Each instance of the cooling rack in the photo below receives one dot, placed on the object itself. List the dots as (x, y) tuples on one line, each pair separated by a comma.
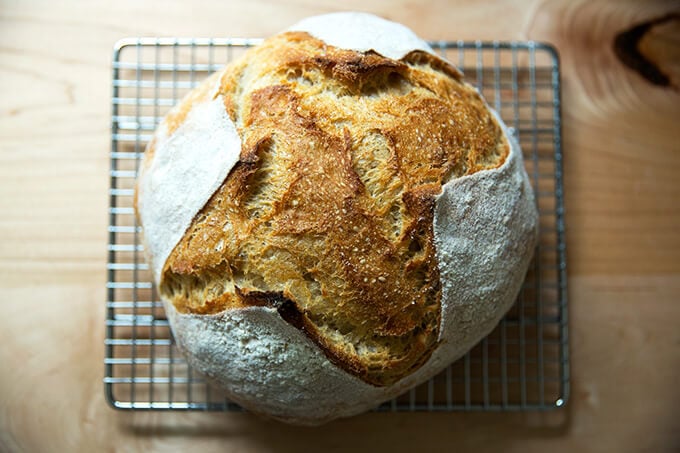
[(522, 365)]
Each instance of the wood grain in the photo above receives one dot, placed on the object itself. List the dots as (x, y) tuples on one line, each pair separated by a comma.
[(622, 159)]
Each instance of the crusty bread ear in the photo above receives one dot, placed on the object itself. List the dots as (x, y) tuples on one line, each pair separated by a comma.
[(376, 223)]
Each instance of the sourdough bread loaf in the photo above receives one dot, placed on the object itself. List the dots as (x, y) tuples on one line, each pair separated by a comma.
[(333, 218)]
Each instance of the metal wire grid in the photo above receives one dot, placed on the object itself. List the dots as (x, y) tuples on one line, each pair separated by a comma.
[(522, 365)]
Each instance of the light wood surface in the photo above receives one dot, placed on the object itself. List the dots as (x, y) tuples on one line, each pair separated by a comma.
[(622, 161)]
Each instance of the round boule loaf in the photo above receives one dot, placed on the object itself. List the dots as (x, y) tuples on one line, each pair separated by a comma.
[(333, 218)]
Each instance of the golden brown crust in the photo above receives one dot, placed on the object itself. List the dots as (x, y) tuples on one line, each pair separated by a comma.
[(328, 214)]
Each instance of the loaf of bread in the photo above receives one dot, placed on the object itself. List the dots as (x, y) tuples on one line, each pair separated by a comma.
[(333, 218)]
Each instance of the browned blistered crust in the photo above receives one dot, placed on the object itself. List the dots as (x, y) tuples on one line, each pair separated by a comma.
[(327, 217)]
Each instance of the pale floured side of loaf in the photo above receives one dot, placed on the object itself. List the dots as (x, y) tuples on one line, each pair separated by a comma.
[(269, 366), (363, 32), (486, 228), (183, 167)]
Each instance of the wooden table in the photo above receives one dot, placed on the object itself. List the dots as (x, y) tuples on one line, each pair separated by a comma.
[(622, 184)]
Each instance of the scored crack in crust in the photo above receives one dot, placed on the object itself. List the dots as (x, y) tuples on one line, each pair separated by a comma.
[(328, 214)]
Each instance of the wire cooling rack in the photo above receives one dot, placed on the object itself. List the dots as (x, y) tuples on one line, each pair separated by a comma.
[(522, 365)]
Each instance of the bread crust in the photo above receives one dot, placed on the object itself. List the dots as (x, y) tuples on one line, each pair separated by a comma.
[(336, 219), (377, 223)]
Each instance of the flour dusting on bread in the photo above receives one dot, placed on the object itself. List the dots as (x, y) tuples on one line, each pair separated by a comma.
[(187, 168), (363, 32)]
